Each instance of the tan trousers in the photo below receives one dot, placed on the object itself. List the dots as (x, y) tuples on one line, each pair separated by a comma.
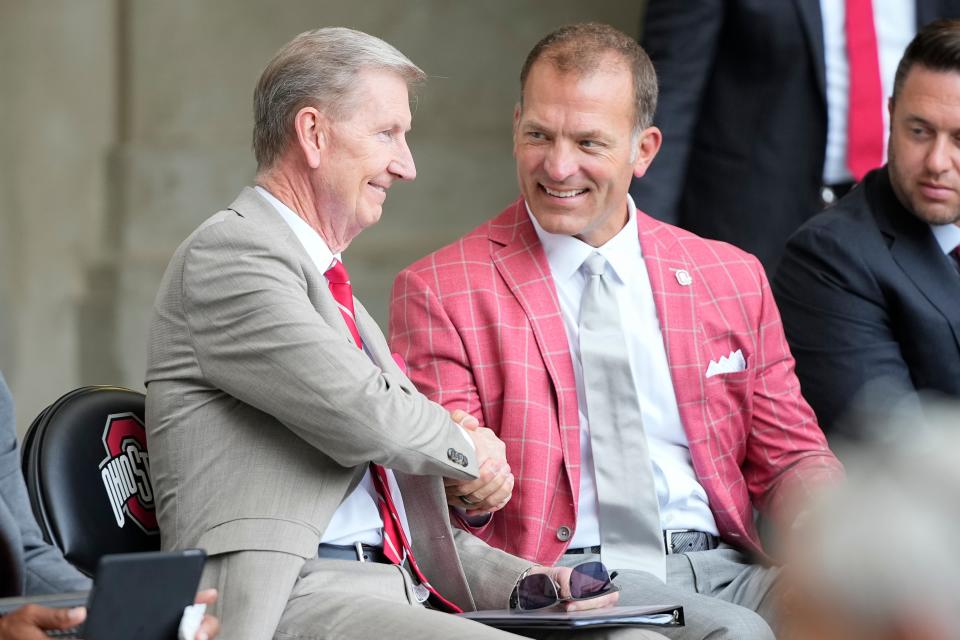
[(268, 595)]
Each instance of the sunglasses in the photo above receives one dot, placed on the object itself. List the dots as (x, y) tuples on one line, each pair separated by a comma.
[(588, 580)]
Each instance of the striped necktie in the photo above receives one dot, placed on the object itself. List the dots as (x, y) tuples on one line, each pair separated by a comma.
[(396, 547)]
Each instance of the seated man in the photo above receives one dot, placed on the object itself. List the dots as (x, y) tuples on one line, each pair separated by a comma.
[(284, 438), (660, 439), (870, 289), (31, 566)]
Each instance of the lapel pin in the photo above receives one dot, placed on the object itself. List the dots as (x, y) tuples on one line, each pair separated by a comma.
[(683, 277)]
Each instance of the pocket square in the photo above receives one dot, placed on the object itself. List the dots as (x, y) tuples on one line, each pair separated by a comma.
[(727, 364)]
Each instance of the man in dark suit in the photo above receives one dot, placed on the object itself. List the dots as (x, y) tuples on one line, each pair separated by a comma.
[(870, 289), (746, 87)]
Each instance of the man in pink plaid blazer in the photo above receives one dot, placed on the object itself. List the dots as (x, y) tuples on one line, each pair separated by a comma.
[(486, 325)]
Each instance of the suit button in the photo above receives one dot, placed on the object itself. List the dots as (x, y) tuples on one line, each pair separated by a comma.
[(563, 533)]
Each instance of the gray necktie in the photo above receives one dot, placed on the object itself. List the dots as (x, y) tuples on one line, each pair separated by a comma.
[(630, 533)]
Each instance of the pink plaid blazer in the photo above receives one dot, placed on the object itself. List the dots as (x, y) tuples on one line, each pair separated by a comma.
[(480, 327)]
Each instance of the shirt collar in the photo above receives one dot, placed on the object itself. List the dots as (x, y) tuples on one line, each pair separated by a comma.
[(566, 254), (947, 235), (314, 245)]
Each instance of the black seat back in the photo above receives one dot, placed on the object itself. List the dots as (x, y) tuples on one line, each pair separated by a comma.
[(87, 473)]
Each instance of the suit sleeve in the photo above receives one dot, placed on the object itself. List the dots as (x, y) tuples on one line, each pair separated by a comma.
[(681, 39), (491, 573), (44, 567), (838, 324), (787, 457), (259, 338)]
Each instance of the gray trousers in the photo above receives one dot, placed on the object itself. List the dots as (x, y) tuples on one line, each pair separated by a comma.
[(341, 599), (722, 593)]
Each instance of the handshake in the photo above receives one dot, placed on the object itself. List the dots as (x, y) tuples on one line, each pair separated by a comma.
[(491, 491)]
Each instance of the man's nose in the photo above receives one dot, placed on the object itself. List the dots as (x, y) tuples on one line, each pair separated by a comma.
[(403, 166), (941, 155), (560, 162)]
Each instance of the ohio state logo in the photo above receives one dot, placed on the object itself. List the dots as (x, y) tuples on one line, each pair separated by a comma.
[(125, 472)]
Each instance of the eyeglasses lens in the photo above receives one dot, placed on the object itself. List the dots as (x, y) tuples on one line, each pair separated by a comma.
[(588, 579), (536, 592)]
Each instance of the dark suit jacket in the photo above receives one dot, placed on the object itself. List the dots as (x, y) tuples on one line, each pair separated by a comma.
[(744, 118), (867, 296), (28, 564)]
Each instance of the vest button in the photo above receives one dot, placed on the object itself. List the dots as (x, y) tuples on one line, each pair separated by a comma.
[(563, 533)]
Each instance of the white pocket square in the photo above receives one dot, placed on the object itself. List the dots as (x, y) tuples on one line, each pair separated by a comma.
[(727, 364)]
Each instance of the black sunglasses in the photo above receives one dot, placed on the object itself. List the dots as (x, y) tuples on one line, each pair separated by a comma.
[(588, 580)]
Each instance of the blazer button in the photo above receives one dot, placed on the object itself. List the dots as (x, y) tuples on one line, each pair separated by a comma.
[(563, 533)]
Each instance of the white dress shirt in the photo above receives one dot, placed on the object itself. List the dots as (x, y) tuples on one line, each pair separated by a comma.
[(357, 519), (683, 500), (895, 23), (947, 236)]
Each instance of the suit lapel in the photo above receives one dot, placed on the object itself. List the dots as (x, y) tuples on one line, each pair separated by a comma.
[(519, 258), (432, 537), (812, 24), (373, 340), (249, 204), (916, 251), (676, 306)]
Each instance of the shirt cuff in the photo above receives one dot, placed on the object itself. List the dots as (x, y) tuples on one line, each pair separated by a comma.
[(463, 432), (473, 521)]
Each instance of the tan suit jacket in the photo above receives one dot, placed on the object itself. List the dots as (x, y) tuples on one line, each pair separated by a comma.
[(262, 414)]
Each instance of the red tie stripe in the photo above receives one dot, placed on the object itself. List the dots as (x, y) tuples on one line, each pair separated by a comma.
[(396, 547)]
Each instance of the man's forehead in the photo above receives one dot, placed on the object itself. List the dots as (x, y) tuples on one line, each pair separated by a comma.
[(941, 83), (546, 80), (586, 99)]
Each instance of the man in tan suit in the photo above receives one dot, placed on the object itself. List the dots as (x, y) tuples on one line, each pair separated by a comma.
[(263, 416)]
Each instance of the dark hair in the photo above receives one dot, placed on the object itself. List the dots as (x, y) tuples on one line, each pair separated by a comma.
[(935, 47), (582, 49)]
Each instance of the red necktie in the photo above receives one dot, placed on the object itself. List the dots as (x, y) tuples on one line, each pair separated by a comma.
[(395, 543), (956, 256), (865, 107)]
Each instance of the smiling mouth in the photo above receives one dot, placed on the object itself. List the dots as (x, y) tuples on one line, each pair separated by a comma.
[(378, 187), (571, 193)]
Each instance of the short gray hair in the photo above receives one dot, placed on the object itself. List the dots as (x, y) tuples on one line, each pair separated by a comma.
[(318, 68)]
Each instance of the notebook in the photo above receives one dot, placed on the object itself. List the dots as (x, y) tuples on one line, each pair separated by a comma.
[(552, 618)]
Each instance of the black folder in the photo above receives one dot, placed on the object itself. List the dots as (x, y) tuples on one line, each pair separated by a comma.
[(655, 616)]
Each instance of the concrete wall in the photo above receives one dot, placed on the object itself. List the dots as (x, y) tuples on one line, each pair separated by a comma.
[(124, 124)]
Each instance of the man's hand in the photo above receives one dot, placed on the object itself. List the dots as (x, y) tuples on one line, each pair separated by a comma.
[(32, 621), (210, 626), (561, 576), (492, 489)]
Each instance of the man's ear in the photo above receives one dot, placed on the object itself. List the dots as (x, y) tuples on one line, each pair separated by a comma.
[(312, 129), (648, 144)]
